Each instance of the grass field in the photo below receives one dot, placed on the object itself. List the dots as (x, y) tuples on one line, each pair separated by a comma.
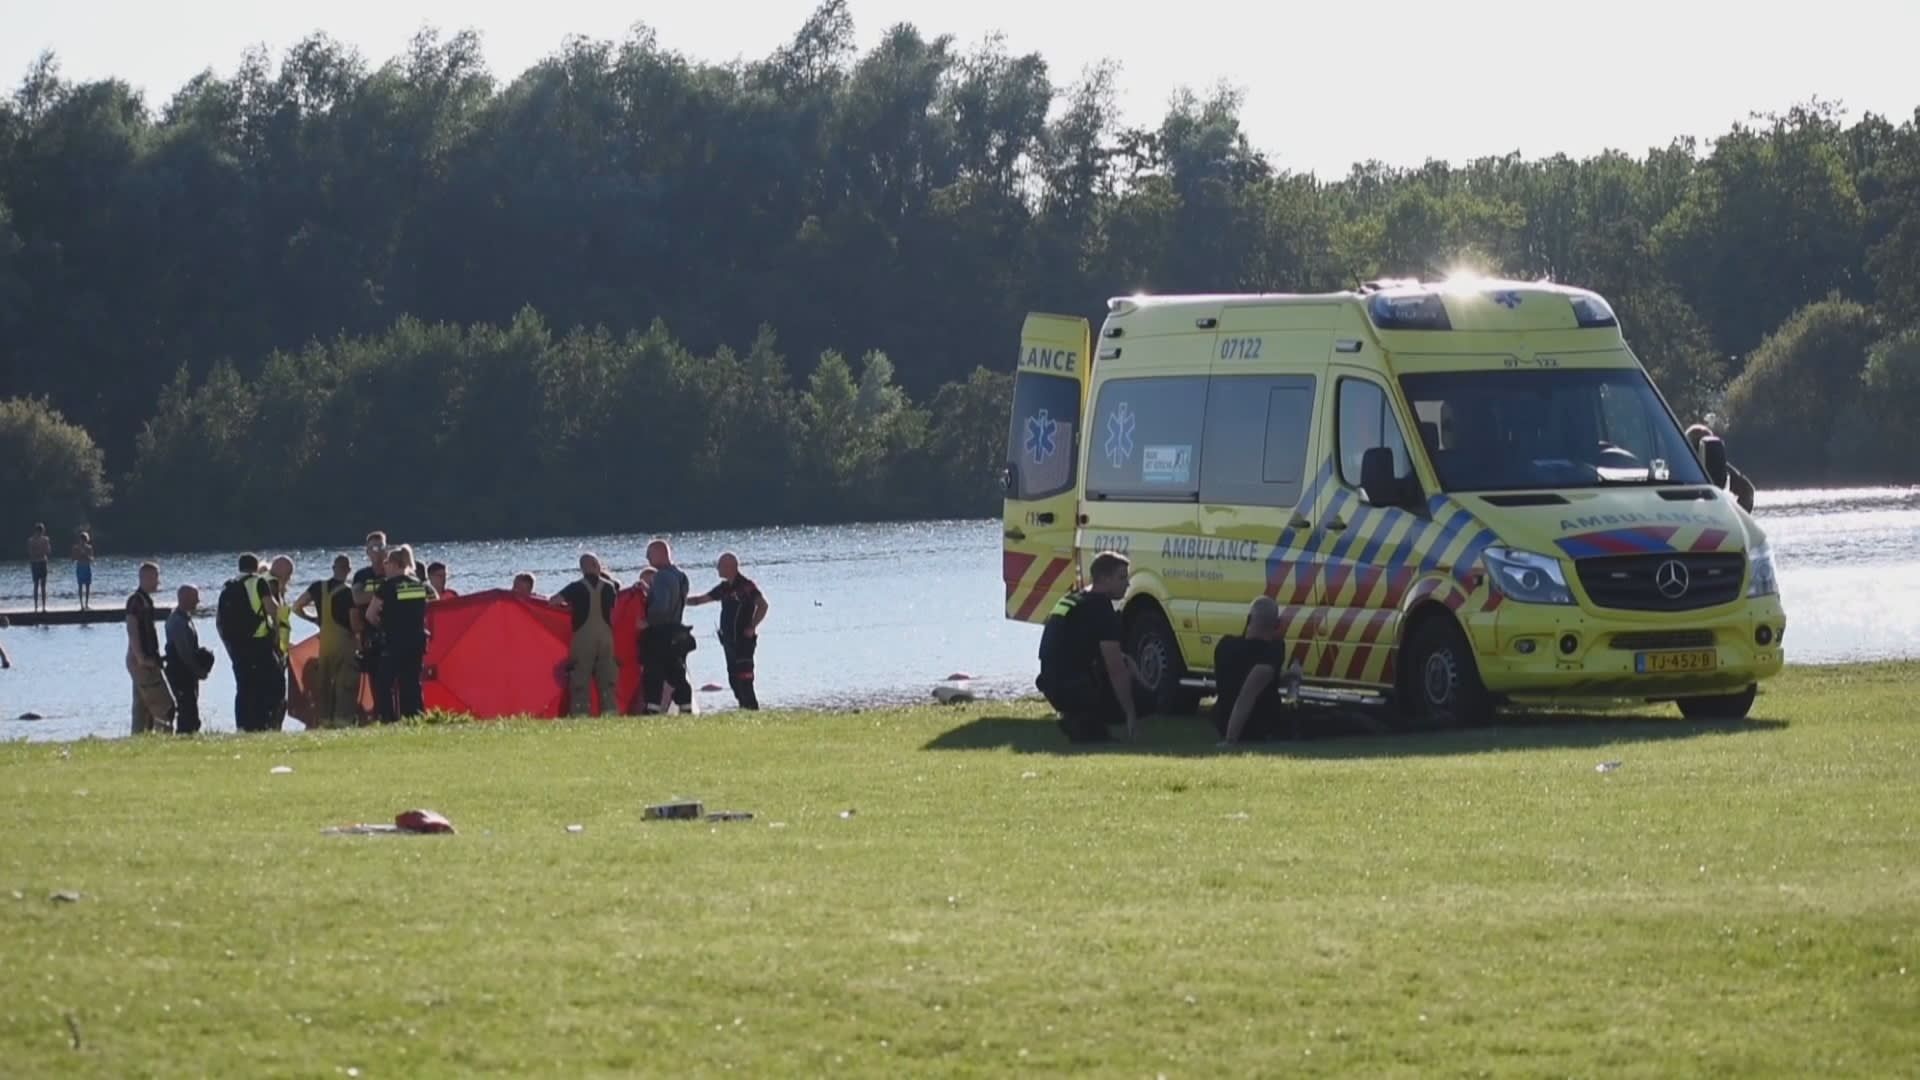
[(1738, 900)]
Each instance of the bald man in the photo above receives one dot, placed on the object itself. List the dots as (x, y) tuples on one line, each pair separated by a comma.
[(742, 608), (591, 662), (184, 662), (1249, 671)]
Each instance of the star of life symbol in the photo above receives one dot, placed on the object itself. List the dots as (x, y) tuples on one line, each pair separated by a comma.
[(1120, 435), (1507, 299), (1040, 437)]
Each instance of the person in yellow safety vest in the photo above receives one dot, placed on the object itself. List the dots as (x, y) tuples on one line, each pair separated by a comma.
[(329, 605), (280, 573), (245, 618)]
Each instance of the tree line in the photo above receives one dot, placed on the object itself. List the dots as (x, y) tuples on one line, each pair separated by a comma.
[(324, 290)]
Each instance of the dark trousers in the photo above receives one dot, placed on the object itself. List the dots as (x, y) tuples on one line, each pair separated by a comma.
[(1087, 706), (739, 653), (396, 684), (663, 664), (1270, 719), (185, 685), (259, 685)]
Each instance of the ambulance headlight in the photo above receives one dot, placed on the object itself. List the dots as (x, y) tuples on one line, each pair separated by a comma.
[(1762, 581), (1527, 577)]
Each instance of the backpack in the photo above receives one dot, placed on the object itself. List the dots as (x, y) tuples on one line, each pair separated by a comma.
[(234, 618)]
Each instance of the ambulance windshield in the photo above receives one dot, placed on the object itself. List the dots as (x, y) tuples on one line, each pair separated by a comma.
[(1534, 429)]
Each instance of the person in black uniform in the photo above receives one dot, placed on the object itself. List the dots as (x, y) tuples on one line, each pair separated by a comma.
[(245, 620), (1083, 673), (742, 607), (1250, 671), (366, 582), (399, 611)]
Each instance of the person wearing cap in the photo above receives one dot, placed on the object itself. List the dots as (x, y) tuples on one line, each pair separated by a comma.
[(1741, 488)]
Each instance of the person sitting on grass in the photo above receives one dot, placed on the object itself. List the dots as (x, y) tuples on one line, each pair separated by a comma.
[(1249, 670), (1083, 673)]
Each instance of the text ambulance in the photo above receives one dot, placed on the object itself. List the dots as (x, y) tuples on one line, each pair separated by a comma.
[(1460, 494)]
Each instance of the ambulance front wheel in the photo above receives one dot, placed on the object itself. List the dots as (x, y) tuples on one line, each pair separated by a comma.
[(1156, 652), (1440, 683), (1719, 706)]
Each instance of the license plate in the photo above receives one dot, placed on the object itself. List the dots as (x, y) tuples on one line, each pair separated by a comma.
[(1672, 663)]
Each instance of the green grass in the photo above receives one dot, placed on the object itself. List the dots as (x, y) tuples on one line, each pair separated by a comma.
[(1735, 900)]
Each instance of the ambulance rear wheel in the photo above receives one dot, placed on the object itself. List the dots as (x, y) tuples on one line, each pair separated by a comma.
[(1440, 683), (1719, 706), (1156, 652)]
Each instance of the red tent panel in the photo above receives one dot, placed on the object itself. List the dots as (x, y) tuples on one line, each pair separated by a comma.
[(492, 654)]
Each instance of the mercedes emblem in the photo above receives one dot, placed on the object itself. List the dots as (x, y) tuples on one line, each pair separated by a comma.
[(1672, 579)]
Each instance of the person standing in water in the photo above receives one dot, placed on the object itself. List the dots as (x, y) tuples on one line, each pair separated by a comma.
[(83, 567), (39, 550), (591, 661)]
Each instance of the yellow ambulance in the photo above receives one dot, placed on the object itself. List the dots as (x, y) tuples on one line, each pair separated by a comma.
[(1461, 494)]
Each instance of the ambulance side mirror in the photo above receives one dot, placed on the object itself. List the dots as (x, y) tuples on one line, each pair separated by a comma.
[(1010, 479), (1713, 454), (1377, 478)]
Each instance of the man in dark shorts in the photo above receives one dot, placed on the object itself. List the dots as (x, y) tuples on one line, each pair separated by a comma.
[(1250, 671), (399, 611), (1083, 673), (39, 550), (152, 700), (742, 607)]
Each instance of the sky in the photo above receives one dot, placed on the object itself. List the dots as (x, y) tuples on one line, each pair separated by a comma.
[(1326, 84)]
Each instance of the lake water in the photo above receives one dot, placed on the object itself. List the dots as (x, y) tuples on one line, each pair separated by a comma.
[(874, 614)]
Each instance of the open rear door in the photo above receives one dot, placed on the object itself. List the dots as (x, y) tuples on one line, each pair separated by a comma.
[(1043, 464)]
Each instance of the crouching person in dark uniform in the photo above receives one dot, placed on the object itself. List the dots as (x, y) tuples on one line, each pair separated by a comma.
[(1083, 673), (1250, 672), (399, 611)]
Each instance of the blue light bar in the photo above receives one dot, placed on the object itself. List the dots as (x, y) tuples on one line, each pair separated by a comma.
[(1591, 312), (1408, 311)]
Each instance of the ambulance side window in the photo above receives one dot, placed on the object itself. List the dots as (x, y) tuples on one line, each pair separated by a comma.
[(1143, 439), (1366, 420), (1256, 442)]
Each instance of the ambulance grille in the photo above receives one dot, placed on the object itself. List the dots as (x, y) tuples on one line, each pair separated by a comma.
[(1634, 582), (1635, 640)]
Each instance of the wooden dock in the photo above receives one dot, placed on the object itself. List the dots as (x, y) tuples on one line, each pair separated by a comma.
[(73, 616)]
